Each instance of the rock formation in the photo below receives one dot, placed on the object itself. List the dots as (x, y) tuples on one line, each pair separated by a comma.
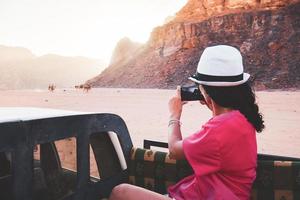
[(267, 32), (197, 10), (124, 51)]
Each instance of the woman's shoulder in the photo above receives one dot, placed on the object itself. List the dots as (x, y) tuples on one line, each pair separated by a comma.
[(233, 118), (229, 128)]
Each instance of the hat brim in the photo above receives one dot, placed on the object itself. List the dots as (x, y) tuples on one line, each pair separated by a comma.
[(246, 76)]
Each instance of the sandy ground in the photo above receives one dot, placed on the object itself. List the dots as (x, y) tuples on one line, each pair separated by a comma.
[(146, 114)]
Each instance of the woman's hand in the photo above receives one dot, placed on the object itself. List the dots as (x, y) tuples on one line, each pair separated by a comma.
[(175, 105)]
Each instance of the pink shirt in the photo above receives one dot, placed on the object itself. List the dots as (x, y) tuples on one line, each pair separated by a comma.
[(223, 156)]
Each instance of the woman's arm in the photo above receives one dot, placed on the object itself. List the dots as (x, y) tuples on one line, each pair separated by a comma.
[(174, 135), (175, 142)]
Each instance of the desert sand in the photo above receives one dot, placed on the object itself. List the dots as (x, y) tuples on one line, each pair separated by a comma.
[(145, 112)]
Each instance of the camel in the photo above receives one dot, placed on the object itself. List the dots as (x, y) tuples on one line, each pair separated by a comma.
[(51, 87), (87, 87)]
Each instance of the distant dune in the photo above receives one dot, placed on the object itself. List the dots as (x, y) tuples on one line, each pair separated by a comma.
[(21, 69)]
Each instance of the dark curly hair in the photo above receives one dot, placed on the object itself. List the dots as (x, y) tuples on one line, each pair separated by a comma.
[(240, 97)]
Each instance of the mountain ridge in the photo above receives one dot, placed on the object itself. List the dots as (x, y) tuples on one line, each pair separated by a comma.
[(21, 69)]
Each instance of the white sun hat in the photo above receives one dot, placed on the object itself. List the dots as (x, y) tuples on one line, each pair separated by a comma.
[(220, 65)]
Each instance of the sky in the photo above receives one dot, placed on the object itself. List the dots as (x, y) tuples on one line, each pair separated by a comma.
[(88, 28)]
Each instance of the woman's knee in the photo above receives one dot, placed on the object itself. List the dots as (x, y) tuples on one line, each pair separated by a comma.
[(120, 191)]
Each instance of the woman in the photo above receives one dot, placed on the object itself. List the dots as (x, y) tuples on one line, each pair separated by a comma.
[(223, 153)]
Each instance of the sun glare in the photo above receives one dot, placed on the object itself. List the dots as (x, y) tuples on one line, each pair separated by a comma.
[(81, 28)]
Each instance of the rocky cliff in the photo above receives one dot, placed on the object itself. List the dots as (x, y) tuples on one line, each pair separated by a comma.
[(197, 10), (266, 32)]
